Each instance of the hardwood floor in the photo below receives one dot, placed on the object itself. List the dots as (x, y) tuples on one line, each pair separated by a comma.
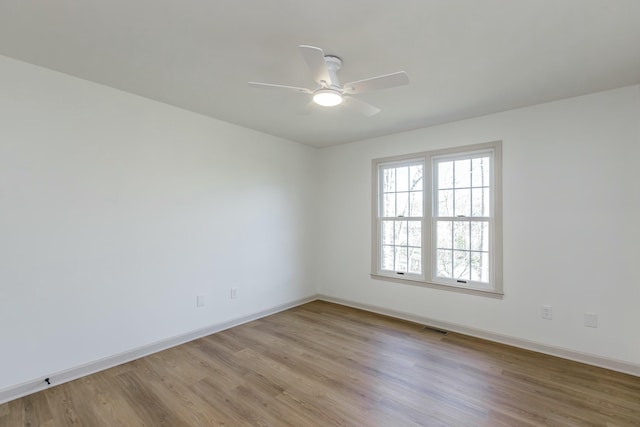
[(324, 364)]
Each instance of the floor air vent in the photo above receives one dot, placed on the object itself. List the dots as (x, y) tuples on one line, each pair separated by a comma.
[(436, 330)]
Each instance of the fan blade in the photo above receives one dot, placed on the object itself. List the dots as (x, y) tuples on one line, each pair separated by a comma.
[(360, 106), (314, 56), (272, 86), (376, 83)]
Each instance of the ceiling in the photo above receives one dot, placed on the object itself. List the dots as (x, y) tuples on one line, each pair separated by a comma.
[(464, 58)]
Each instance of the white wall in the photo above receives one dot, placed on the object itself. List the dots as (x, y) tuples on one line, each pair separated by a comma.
[(116, 211), (571, 224)]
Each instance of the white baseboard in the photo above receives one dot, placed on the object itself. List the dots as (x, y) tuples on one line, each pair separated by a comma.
[(565, 353), (56, 378), (15, 392)]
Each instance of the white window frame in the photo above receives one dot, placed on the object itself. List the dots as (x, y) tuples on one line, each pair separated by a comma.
[(380, 218), (428, 277)]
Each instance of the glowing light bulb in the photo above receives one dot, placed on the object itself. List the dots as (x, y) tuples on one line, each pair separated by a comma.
[(327, 98)]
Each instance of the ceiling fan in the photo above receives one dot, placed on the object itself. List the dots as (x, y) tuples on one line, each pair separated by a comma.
[(329, 92)]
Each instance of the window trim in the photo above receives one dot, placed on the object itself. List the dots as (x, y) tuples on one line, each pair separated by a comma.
[(427, 157)]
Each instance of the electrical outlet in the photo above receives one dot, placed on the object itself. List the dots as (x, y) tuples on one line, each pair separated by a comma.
[(591, 320), (200, 301), (234, 293), (547, 312)]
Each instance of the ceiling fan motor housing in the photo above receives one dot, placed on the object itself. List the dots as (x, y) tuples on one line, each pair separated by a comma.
[(333, 66)]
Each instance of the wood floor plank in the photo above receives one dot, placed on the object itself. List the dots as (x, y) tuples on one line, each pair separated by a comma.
[(37, 411), (12, 413), (323, 364), (145, 402), (61, 407)]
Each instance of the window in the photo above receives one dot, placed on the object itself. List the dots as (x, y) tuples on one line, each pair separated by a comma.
[(437, 218), (401, 220)]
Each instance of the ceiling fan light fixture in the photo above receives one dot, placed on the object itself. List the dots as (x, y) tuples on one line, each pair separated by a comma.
[(329, 92), (327, 98)]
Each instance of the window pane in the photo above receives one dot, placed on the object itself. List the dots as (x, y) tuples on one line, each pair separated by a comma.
[(415, 177), (401, 259), (480, 267), (387, 257), (486, 198), (415, 233), (480, 172), (415, 260), (445, 203), (445, 175), (387, 233), (462, 173), (444, 237), (480, 202), (402, 204), (401, 233), (461, 268), (444, 263), (402, 179), (389, 208), (463, 202), (415, 203), (480, 236), (461, 235), (485, 268), (389, 180)]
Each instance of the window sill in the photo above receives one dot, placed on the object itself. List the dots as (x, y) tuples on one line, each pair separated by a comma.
[(451, 288)]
